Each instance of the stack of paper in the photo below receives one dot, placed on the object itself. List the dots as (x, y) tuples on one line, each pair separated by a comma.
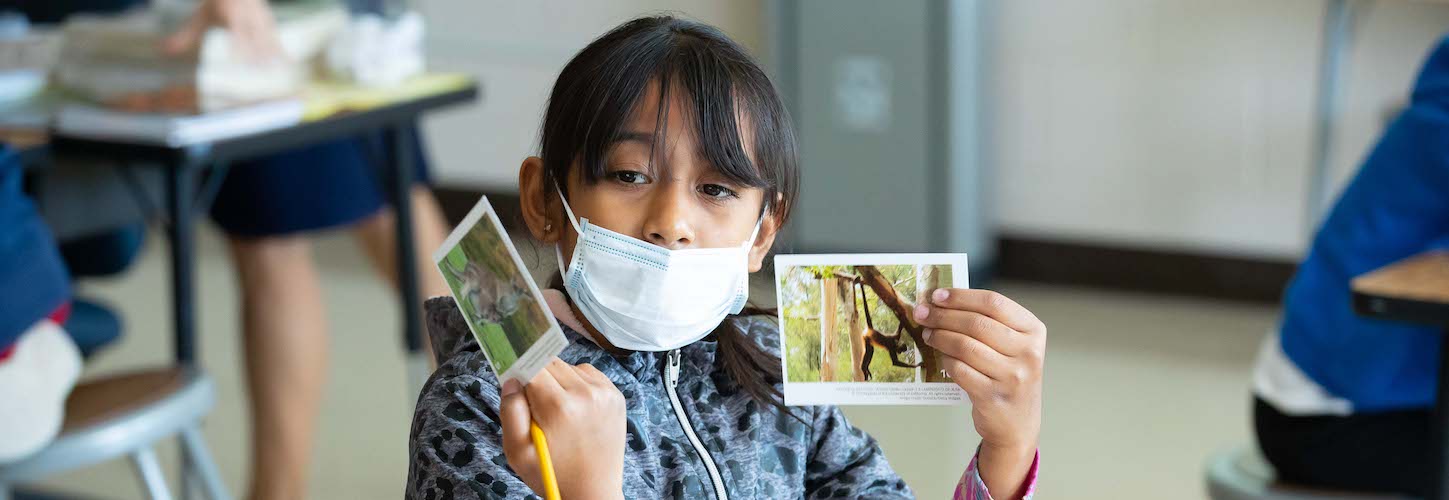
[(116, 62)]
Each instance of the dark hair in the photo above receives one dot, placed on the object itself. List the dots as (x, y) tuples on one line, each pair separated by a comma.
[(602, 85)]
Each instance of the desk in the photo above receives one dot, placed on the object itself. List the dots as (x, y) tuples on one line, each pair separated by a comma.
[(1416, 290), (186, 196)]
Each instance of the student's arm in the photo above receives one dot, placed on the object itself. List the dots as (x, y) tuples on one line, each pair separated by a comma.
[(456, 448), (971, 487), (249, 22)]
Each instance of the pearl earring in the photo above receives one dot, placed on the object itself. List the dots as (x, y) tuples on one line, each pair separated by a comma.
[(547, 227)]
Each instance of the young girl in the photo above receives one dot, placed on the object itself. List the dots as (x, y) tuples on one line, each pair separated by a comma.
[(663, 138)]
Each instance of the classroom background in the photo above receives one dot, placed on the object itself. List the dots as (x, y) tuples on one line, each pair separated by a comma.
[(1143, 174)]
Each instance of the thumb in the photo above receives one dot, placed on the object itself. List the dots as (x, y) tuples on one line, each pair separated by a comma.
[(514, 416)]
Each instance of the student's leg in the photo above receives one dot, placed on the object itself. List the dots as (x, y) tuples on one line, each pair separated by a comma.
[(1382, 452), (284, 339), (376, 236)]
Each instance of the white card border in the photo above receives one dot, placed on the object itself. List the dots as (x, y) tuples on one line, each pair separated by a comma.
[(838, 393)]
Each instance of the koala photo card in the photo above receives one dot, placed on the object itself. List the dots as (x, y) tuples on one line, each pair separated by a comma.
[(848, 334), (499, 300)]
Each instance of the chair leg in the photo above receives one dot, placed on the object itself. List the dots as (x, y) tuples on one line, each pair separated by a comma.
[(149, 469), (187, 475), (201, 464)]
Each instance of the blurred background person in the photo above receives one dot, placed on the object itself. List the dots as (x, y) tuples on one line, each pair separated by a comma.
[(269, 209), (1342, 400), (39, 363)]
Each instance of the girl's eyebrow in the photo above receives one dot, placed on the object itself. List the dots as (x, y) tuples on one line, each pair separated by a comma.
[(634, 136)]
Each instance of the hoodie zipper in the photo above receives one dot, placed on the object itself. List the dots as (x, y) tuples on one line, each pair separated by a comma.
[(671, 380)]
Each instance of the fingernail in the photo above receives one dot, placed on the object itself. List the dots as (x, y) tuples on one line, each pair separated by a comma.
[(922, 311), (510, 387), (926, 335), (940, 295)]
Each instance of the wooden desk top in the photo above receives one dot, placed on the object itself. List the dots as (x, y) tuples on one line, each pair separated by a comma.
[(1421, 278)]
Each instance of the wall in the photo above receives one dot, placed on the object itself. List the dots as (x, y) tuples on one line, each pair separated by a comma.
[(1167, 124), (1180, 124), (516, 50)]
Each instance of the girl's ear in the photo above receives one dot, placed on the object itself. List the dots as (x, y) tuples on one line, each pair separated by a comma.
[(769, 227), (539, 201)]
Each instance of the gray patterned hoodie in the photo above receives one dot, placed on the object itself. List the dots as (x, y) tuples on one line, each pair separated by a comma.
[(758, 452)]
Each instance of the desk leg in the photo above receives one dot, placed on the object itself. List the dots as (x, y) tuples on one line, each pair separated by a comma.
[(1439, 484), (180, 182), (401, 163)]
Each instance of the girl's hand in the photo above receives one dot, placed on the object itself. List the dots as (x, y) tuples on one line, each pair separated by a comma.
[(994, 350), (582, 417)]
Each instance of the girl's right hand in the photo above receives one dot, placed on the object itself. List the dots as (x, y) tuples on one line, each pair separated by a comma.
[(582, 417)]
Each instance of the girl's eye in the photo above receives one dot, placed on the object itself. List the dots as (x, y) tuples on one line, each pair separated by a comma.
[(629, 177), (717, 191)]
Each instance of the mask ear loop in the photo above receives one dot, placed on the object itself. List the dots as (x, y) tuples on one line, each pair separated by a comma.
[(570, 211), (756, 232), (558, 247)]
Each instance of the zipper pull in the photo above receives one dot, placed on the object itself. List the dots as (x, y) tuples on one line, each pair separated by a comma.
[(673, 369)]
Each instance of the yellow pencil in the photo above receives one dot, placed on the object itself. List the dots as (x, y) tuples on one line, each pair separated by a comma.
[(545, 464)]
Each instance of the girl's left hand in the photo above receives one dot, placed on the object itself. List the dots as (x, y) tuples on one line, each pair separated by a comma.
[(994, 349)]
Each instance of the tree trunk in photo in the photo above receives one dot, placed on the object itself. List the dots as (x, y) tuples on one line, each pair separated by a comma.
[(828, 308), (857, 342), (904, 309), (928, 279)]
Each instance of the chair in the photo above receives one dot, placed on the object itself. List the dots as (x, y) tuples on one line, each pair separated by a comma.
[(1242, 474), (128, 414)]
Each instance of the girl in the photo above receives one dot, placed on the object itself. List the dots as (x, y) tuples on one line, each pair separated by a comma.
[(663, 138)]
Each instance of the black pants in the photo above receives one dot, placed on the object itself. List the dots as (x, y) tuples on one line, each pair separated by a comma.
[(1379, 452)]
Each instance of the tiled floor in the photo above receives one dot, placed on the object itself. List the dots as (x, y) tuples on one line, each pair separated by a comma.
[(1140, 388)]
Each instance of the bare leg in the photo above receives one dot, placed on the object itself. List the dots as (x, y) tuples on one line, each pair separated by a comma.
[(285, 342), (377, 236)]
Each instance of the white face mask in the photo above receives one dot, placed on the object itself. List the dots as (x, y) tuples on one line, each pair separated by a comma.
[(644, 297)]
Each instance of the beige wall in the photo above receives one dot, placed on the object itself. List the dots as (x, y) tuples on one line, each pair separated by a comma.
[(1182, 124), (516, 50)]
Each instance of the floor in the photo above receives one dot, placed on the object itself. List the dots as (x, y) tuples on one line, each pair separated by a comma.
[(1140, 389)]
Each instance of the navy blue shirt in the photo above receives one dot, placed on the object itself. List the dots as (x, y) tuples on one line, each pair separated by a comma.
[(33, 280), (1395, 207)]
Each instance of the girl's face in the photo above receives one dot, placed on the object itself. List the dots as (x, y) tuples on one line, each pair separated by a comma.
[(676, 201)]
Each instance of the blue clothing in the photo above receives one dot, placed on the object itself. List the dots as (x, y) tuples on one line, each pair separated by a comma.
[(314, 187), (33, 282), (1395, 207)]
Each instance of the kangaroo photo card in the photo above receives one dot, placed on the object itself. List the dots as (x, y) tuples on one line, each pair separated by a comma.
[(499, 300), (848, 334)]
